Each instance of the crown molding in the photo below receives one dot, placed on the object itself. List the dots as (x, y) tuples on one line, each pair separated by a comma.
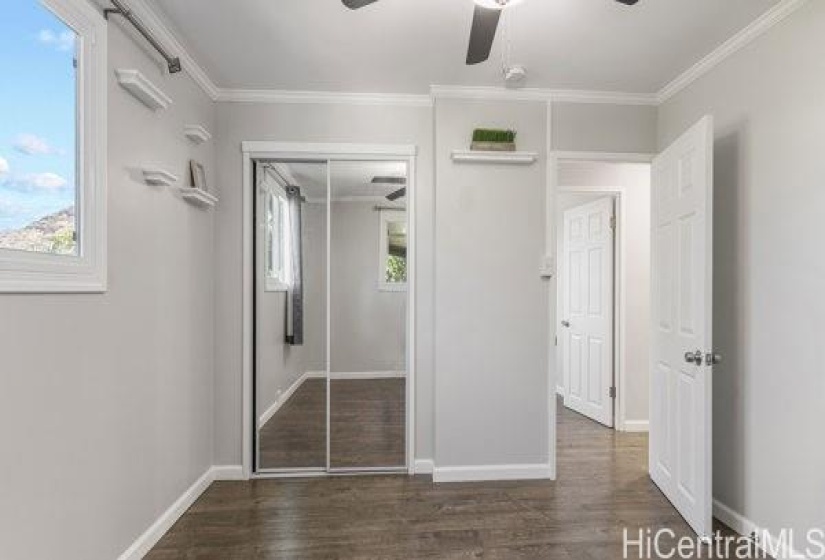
[(542, 95), (322, 97), (730, 47), (155, 23)]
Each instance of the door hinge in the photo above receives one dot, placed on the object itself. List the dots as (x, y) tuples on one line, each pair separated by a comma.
[(612, 392), (557, 340), (612, 222)]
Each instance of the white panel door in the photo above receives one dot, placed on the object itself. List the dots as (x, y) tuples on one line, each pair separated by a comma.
[(681, 269), (587, 310)]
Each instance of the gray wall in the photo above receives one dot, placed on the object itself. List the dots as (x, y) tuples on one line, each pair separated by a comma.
[(106, 400), (237, 122), (769, 268), (595, 127), (635, 179), (368, 326), (491, 397)]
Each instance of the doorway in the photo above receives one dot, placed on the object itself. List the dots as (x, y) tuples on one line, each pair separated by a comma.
[(329, 388), (603, 291), (680, 300)]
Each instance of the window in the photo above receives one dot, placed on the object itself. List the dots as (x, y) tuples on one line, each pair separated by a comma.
[(393, 264), (52, 147), (277, 240)]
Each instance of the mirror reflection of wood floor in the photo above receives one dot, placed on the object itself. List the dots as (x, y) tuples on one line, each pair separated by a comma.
[(602, 487), (368, 422)]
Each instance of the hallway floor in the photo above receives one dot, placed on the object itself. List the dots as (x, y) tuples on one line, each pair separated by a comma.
[(602, 487)]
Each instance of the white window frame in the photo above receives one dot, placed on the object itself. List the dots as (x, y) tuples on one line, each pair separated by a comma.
[(276, 280), (387, 217), (27, 272)]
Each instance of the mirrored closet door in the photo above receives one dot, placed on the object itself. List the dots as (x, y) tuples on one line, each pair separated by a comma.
[(368, 315), (291, 316), (331, 306)]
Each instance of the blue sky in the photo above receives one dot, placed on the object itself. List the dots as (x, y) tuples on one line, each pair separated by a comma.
[(37, 114)]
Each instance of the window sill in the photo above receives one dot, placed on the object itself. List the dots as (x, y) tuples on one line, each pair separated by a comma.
[(42, 273), (392, 287)]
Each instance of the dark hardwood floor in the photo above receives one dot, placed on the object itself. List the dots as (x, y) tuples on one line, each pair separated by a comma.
[(368, 420), (602, 487), (296, 436), (367, 423)]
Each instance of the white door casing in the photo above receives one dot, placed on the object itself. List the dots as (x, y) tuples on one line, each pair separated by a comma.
[(681, 324), (587, 309)]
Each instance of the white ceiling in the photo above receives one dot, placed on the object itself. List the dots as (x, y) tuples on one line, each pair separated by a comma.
[(404, 46), (349, 179)]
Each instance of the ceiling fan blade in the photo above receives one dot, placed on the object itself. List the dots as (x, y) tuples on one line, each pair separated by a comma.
[(400, 193), (485, 23), (355, 4), (389, 180)]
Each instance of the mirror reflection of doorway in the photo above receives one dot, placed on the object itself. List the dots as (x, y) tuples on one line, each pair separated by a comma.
[(331, 316)]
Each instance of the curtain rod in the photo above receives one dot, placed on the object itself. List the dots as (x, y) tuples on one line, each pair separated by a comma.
[(120, 8)]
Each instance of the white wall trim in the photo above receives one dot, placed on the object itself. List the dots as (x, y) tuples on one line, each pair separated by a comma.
[(730, 47), (482, 473), (227, 472), (635, 426), (600, 157), (424, 466), (322, 97), (149, 538), (772, 544), (337, 151), (542, 95)]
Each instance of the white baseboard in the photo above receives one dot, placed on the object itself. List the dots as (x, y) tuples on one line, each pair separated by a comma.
[(270, 412), (144, 543), (368, 375), (636, 426), (424, 466), (227, 472), (483, 473), (779, 548)]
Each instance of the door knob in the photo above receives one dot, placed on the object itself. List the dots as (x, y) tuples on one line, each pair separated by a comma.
[(694, 357), (565, 324), (712, 358)]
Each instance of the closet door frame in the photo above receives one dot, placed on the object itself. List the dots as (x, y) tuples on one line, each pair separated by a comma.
[(319, 152)]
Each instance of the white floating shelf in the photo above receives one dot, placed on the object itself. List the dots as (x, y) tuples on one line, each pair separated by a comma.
[(158, 177), (145, 91), (509, 158), (198, 196), (196, 133)]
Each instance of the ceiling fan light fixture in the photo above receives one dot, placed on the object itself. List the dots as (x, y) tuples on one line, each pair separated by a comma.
[(497, 4)]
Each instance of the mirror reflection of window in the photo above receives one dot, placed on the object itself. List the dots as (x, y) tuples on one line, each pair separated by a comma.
[(276, 241), (393, 249)]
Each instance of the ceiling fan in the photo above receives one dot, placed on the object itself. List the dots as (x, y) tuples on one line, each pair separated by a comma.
[(395, 195), (485, 23)]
